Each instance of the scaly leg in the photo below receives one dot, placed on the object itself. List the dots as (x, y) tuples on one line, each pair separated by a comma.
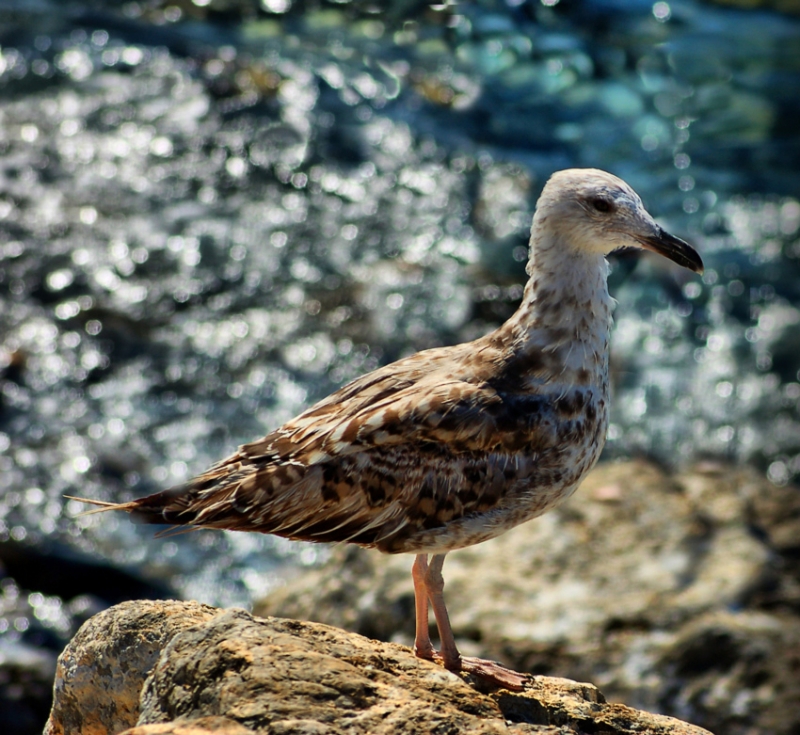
[(434, 583), (423, 648), (429, 586)]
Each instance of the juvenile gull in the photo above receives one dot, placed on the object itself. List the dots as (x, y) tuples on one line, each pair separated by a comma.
[(454, 445)]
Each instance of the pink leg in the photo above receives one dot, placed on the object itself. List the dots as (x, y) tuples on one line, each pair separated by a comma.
[(429, 586), (451, 658), (423, 648)]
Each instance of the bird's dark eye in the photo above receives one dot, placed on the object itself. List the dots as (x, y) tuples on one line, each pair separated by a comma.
[(602, 205)]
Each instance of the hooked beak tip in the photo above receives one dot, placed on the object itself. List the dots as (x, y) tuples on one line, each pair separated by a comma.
[(673, 248)]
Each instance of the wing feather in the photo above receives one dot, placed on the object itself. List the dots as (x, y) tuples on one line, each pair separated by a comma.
[(417, 444)]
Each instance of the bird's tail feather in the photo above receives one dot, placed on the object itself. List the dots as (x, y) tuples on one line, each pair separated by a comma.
[(161, 507), (103, 506)]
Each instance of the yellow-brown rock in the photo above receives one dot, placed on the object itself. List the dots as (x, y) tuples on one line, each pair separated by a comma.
[(200, 671)]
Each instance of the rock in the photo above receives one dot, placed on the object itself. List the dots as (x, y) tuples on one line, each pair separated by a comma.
[(26, 675), (674, 593), (101, 672), (54, 568), (201, 670), (200, 726)]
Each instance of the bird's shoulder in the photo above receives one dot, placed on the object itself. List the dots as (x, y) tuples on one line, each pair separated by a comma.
[(457, 396), (383, 407)]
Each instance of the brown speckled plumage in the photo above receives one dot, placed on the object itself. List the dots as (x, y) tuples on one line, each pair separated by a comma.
[(454, 445)]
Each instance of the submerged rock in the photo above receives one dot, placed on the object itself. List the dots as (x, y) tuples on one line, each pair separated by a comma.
[(201, 670)]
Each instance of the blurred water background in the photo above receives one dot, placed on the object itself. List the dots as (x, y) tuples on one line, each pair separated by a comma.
[(214, 212)]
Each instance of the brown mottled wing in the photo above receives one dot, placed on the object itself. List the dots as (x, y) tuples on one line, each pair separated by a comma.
[(396, 449)]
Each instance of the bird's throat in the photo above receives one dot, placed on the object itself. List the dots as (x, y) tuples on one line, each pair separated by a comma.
[(565, 315)]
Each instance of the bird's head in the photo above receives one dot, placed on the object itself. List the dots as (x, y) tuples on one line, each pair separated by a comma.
[(596, 212)]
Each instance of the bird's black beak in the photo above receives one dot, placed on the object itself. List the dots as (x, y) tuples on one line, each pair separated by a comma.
[(674, 248)]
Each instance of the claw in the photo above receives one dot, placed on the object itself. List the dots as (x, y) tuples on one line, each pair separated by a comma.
[(494, 673), (489, 671)]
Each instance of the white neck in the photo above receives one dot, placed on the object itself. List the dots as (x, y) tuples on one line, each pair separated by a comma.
[(565, 310)]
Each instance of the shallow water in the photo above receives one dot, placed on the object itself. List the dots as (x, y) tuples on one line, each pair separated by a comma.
[(210, 218)]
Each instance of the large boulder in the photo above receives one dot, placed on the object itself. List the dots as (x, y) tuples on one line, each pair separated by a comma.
[(153, 668)]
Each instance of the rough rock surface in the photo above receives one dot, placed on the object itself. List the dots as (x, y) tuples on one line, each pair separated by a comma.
[(677, 594), (202, 670), (100, 673)]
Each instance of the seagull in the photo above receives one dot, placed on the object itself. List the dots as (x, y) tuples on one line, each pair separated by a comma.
[(454, 445)]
